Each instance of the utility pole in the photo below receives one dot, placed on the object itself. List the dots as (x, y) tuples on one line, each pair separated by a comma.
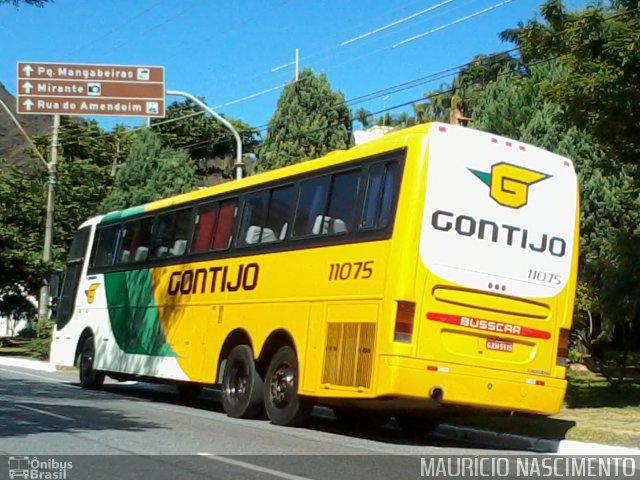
[(52, 167), (238, 165), (295, 62)]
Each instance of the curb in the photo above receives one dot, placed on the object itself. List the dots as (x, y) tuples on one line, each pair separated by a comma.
[(26, 363), (521, 442)]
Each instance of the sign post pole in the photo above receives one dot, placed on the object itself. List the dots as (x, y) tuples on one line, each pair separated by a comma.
[(52, 167), (221, 119)]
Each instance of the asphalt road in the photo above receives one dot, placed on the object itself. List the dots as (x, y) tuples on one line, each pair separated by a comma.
[(150, 433)]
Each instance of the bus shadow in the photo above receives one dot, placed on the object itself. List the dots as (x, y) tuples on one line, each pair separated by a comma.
[(323, 420)]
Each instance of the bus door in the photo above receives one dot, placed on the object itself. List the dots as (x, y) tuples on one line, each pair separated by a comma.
[(73, 276)]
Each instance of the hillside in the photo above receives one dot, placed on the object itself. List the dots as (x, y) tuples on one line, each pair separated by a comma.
[(12, 143)]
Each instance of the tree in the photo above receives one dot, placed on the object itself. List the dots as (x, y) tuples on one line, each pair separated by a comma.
[(81, 186), (150, 173), (364, 116), (599, 49), (310, 120), (458, 99), (207, 141)]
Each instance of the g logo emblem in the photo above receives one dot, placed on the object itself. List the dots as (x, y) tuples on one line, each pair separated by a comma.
[(91, 293), (509, 184)]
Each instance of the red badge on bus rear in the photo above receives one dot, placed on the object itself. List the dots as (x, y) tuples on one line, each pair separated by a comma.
[(499, 345)]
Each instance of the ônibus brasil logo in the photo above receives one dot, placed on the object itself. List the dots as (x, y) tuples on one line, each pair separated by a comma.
[(509, 184)]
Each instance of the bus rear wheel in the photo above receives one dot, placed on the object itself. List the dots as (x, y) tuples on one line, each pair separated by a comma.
[(90, 378), (242, 386), (281, 400)]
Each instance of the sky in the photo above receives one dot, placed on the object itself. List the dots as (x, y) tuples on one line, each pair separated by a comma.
[(227, 51)]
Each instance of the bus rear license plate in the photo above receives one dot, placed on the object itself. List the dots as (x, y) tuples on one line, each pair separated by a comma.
[(500, 346)]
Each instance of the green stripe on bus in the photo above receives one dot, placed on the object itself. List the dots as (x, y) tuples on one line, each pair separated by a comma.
[(123, 214), (133, 314)]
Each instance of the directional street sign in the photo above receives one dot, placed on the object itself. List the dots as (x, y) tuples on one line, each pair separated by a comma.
[(90, 90)]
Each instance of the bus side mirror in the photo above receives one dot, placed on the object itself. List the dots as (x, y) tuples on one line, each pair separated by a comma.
[(55, 285)]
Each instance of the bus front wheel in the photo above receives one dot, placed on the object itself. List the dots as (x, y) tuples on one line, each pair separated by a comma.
[(281, 400), (242, 386), (90, 378)]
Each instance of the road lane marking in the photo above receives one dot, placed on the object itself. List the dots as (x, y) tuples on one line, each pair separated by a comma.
[(42, 377), (251, 466), (44, 412)]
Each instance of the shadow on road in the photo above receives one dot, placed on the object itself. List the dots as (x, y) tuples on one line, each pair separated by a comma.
[(322, 419), (30, 407)]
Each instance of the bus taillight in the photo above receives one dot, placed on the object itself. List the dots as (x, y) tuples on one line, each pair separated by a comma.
[(404, 321), (563, 347)]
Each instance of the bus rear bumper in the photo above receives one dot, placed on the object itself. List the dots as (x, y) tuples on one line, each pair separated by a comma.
[(469, 386)]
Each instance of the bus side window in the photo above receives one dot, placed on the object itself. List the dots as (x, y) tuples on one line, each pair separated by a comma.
[(105, 246), (224, 229), (342, 202), (380, 196), (389, 195), (206, 221), (312, 203), (214, 226), (136, 242), (280, 211), (172, 233), (182, 230), (162, 235), (254, 214)]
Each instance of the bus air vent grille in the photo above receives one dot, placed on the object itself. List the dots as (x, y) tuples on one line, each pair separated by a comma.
[(348, 359)]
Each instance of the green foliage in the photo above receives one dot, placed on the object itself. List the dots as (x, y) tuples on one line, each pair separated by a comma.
[(364, 116), (85, 157), (39, 346), (150, 173), (28, 332), (204, 138), (461, 96), (310, 121)]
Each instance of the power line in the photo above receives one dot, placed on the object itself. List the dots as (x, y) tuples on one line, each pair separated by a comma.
[(397, 22), (455, 22)]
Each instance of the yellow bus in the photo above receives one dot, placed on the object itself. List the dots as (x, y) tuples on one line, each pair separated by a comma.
[(432, 267)]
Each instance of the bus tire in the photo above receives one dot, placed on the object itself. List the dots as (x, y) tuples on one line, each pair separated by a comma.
[(90, 378), (281, 400), (242, 386)]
